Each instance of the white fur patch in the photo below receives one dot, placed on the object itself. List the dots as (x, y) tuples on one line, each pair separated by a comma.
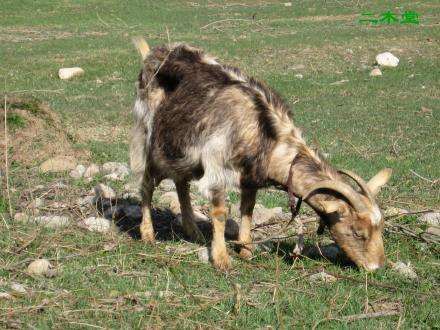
[(376, 215), (218, 174), (140, 109)]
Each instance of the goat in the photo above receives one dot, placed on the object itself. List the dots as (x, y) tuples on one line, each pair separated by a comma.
[(198, 119)]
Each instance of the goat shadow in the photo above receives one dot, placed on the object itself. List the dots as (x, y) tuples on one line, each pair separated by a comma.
[(126, 213)]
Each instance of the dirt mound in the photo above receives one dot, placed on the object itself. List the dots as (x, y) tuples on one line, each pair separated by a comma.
[(35, 133)]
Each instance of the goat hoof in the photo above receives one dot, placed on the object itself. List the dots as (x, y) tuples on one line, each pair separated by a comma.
[(222, 262), (245, 254)]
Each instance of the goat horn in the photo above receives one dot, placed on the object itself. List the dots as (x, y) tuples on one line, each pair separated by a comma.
[(340, 187), (361, 182)]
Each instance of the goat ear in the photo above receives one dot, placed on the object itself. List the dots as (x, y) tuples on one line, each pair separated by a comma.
[(377, 181), (142, 46), (330, 206)]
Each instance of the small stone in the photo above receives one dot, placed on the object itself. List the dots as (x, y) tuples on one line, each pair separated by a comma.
[(167, 185), (50, 221), (287, 4), (18, 288), (387, 59), (116, 170), (203, 255), (5, 296), (433, 231), (85, 201), (20, 216), (171, 200), (91, 171), (405, 270), (111, 246), (263, 215), (58, 164), (431, 218), (69, 73), (98, 81), (78, 172), (299, 76), (36, 203), (94, 224), (322, 277), (112, 177), (39, 267), (105, 192), (375, 72)]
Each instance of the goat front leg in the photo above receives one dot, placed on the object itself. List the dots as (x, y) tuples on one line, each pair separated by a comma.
[(146, 227), (246, 208), (220, 256), (188, 218)]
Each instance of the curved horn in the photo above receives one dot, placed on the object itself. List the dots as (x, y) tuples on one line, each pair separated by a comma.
[(340, 187), (361, 183)]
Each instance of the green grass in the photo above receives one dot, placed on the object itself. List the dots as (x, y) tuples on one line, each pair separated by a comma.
[(364, 125)]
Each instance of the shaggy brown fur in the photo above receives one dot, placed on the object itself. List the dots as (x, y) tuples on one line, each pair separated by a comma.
[(196, 119)]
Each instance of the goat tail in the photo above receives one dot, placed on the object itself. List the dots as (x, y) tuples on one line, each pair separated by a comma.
[(142, 46)]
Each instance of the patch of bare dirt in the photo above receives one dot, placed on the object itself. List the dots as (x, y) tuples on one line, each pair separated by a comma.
[(35, 133), (21, 34)]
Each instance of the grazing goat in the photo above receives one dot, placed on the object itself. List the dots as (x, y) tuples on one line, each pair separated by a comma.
[(198, 119)]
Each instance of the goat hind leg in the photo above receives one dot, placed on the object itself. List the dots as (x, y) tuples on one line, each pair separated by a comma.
[(188, 218), (146, 227), (220, 256), (246, 208)]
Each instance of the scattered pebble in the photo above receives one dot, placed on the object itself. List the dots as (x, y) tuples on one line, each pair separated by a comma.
[(167, 185), (69, 73), (387, 59), (403, 269), (264, 215), (115, 171), (91, 171), (18, 288), (58, 164), (105, 192), (375, 72), (5, 296), (287, 4), (49, 221), (96, 224), (39, 267), (299, 76), (322, 277), (78, 172), (340, 82), (36, 203), (111, 246), (203, 255), (431, 218)]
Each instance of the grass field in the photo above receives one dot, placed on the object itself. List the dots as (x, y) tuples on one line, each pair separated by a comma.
[(363, 123)]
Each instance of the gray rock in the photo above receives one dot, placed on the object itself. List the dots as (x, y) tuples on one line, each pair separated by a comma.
[(91, 171), (49, 221), (375, 72), (39, 267), (18, 288), (96, 224), (104, 191), (203, 255), (433, 231), (431, 218), (36, 203), (322, 277), (167, 185), (171, 200), (115, 171), (263, 215), (404, 269), (78, 172), (5, 296), (85, 201), (69, 73), (387, 59), (58, 164)]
